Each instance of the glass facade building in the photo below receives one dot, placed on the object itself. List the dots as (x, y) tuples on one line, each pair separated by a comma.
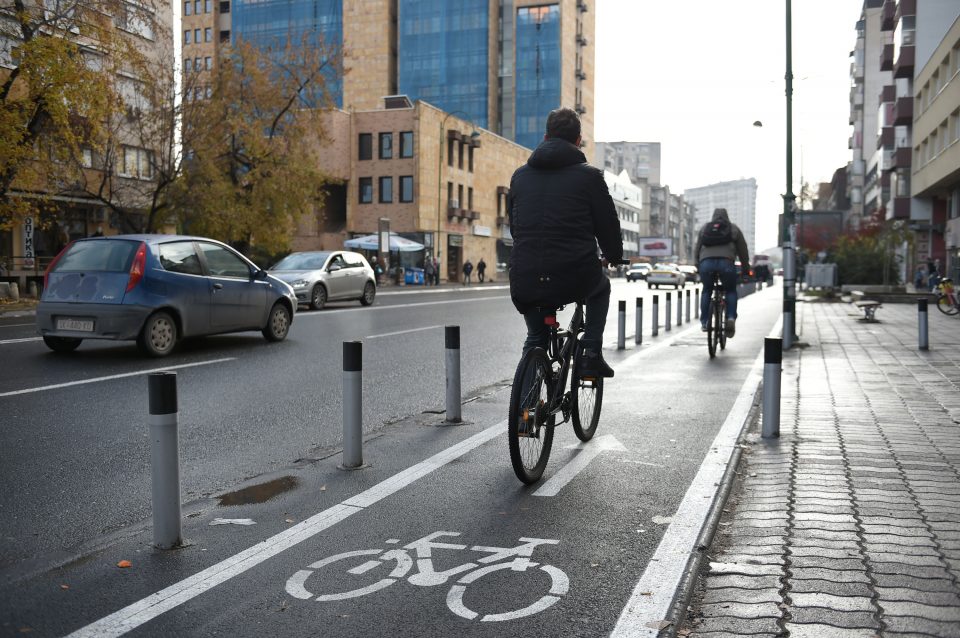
[(537, 70), (443, 55), (271, 24)]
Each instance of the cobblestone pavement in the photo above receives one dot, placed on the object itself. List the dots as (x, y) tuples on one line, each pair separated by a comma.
[(849, 524)]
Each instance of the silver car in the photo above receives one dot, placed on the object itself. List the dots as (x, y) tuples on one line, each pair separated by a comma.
[(322, 276)]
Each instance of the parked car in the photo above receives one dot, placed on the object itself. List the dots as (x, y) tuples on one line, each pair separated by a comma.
[(637, 272), (322, 276), (665, 275), (690, 273), (157, 289)]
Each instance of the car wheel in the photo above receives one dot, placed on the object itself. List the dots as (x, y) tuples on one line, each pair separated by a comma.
[(62, 344), (369, 292), (278, 324), (318, 297), (158, 336)]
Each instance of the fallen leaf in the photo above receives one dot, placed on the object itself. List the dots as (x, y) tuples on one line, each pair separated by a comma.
[(323, 488), (233, 521), (64, 586), (124, 563), (594, 564), (289, 520), (659, 624), (646, 593)]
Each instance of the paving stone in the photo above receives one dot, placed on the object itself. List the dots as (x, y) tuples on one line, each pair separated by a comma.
[(908, 550), (912, 582), (828, 601), (930, 612), (904, 594), (924, 572), (827, 534), (745, 569), (921, 626), (904, 559), (904, 517), (826, 631), (824, 518), (824, 553), (745, 596), (840, 576), (814, 543), (728, 626), (925, 540), (826, 525), (717, 634), (826, 562), (741, 610), (834, 617), (901, 530), (742, 582), (750, 559), (737, 549)]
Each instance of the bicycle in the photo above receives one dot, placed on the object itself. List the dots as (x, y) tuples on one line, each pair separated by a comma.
[(947, 301), (716, 330), (426, 576), (538, 396)]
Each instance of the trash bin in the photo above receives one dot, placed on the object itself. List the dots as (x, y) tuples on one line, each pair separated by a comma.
[(413, 276)]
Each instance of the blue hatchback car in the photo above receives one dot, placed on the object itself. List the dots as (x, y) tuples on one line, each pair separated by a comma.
[(157, 289)]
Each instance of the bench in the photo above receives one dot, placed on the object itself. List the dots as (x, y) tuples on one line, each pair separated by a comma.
[(868, 306)]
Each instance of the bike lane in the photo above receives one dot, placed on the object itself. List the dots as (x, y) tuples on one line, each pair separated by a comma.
[(573, 546)]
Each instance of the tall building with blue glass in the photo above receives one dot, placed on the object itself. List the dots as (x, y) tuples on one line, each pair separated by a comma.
[(502, 64)]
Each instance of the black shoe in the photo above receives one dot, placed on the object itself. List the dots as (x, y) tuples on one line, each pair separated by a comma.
[(592, 365)]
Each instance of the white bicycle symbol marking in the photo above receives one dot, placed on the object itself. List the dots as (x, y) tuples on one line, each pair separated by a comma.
[(427, 576)]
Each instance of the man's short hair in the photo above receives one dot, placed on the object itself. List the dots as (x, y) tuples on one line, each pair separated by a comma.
[(565, 124)]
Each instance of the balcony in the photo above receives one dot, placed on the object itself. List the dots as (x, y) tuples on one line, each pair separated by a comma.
[(901, 208), (905, 8), (886, 58), (888, 16), (888, 93), (903, 67), (856, 96), (885, 139), (903, 111), (902, 158)]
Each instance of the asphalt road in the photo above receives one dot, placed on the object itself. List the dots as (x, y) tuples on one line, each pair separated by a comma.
[(268, 417)]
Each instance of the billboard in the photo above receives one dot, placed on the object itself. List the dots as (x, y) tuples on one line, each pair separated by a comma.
[(655, 247)]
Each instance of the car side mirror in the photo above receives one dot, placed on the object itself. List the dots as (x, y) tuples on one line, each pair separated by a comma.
[(333, 268), (260, 274)]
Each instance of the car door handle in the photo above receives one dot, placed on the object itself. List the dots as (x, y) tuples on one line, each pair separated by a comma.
[(218, 286)]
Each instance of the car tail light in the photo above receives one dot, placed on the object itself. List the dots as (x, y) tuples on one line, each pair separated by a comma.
[(46, 273), (137, 267)]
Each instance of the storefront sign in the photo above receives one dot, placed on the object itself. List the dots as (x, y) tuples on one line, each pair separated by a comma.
[(483, 231), (454, 240), (28, 254)]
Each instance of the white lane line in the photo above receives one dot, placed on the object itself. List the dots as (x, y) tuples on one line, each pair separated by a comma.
[(16, 325), (588, 451), (142, 611), (429, 290), (401, 332), (21, 340), (113, 376), (334, 311), (653, 594)]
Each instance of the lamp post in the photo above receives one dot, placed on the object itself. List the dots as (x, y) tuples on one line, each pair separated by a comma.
[(474, 134), (789, 207)]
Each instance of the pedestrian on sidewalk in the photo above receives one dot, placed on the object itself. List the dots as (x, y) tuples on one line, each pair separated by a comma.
[(933, 274), (919, 277), (481, 269), (467, 269), (428, 272)]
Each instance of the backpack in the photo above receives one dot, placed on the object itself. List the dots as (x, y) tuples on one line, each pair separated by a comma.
[(716, 233)]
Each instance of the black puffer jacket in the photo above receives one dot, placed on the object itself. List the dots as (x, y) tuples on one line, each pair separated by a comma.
[(560, 209)]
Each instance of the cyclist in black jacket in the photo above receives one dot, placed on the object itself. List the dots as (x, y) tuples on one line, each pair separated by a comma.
[(560, 209)]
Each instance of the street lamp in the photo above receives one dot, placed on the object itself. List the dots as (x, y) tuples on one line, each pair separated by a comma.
[(789, 207), (475, 134)]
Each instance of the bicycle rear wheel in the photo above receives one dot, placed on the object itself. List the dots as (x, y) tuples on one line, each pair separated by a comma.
[(722, 324), (944, 305), (586, 397), (529, 427), (712, 335)]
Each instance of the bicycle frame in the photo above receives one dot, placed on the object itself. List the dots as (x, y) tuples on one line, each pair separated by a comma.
[(560, 350)]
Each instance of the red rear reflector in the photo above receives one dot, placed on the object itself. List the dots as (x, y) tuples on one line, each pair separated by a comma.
[(550, 320), (137, 267)]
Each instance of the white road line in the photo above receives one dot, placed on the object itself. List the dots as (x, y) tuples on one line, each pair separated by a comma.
[(113, 376), (429, 290), (142, 611), (334, 311), (16, 325), (653, 594), (22, 340), (402, 332), (588, 452)]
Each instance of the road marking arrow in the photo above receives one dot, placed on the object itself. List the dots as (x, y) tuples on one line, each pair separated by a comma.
[(588, 452)]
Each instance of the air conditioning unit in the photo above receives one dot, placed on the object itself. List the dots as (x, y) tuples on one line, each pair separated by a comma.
[(454, 203)]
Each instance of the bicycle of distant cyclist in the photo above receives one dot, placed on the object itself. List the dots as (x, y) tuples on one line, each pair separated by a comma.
[(947, 301), (539, 396), (716, 329)]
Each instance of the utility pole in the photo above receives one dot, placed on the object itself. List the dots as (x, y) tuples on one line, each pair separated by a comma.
[(788, 238)]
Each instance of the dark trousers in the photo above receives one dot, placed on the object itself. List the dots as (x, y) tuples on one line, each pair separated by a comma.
[(597, 304)]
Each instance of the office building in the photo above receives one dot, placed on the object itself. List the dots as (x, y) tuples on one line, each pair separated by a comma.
[(739, 197), (641, 160)]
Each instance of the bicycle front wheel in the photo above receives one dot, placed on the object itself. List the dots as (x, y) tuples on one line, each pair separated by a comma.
[(944, 305), (586, 397), (529, 426)]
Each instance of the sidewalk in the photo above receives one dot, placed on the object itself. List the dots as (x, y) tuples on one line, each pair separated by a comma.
[(849, 524)]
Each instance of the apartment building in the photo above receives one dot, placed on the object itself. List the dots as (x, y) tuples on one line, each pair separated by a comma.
[(628, 200), (739, 197), (641, 160)]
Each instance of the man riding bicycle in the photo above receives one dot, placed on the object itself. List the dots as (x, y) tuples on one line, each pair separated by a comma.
[(719, 243), (560, 209)]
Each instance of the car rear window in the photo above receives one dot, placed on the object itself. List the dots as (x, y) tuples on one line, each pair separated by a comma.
[(102, 255)]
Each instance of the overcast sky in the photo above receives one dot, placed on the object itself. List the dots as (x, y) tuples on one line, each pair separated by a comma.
[(694, 75)]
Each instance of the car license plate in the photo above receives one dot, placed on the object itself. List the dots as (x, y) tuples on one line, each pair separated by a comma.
[(79, 325)]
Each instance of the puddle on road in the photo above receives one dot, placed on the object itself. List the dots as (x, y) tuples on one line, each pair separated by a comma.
[(258, 493)]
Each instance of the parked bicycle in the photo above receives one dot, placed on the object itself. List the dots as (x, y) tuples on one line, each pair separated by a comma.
[(516, 559), (716, 329), (947, 301), (539, 395)]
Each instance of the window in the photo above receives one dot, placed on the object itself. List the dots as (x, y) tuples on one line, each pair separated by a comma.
[(460, 155), (470, 198), (225, 6), (208, 34), (186, 8), (386, 145), (136, 162), (386, 190), (207, 63), (207, 6), (180, 256), (187, 65), (366, 146), (463, 204), (196, 65), (450, 195), (406, 188), (406, 143), (196, 36), (366, 190), (196, 7), (186, 36), (225, 36), (449, 152), (209, 91), (470, 152), (221, 262)]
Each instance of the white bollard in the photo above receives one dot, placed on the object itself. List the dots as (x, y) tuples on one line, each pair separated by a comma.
[(454, 397), (164, 459), (352, 405)]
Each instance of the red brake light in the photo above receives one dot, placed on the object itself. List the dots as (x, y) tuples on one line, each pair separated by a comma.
[(137, 267), (46, 273)]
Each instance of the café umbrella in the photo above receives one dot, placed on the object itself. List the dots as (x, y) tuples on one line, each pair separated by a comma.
[(371, 242)]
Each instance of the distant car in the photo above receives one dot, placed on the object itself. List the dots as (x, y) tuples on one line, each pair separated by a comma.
[(157, 289), (778, 272), (332, 275), (665, 275), (690, 273), (637, 272), (655, 245)]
